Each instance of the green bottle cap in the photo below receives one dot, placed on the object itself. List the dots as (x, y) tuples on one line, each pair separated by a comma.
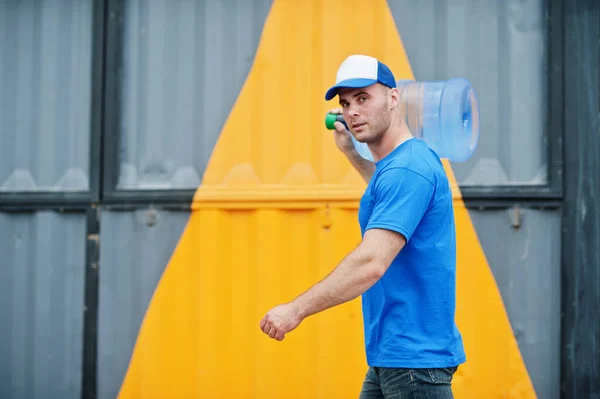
[(330, 119)]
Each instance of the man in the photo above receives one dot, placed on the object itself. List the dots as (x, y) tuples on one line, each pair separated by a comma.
[(405, 266)]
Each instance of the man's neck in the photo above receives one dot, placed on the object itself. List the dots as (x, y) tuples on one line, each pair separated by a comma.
[(390, 140)]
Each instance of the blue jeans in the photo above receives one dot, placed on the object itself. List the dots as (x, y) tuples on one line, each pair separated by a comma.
[(397, 383)]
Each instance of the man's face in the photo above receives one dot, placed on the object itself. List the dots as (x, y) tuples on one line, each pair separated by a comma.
[(367, 111)]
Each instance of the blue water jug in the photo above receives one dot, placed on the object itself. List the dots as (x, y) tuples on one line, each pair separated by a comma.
[(444, 114)]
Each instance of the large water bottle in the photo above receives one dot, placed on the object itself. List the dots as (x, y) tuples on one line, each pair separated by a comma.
[(444, 114)]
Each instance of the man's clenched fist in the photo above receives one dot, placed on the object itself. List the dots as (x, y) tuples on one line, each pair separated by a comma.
[(280, 320)]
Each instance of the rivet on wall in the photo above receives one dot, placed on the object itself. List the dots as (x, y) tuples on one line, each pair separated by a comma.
[(151, 217), (516, 217)]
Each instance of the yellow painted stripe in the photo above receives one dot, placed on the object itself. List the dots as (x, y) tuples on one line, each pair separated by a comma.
[(275, 212)]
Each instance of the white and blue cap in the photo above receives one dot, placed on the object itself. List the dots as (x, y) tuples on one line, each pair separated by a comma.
[(361, 71)]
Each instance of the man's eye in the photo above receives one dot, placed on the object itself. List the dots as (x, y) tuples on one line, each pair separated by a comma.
[(362, 98)]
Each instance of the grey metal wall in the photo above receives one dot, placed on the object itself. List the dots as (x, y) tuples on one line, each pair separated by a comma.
[(581, 238), (183, 65), (45, 91), (499, 46), (522, 247), (136, 247), (42, 260)]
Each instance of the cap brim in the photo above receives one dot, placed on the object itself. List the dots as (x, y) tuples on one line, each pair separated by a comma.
[(348, 84)]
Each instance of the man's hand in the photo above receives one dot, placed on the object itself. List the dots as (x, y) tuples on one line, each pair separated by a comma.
[(281, 320), (343, 140), (341, 135)]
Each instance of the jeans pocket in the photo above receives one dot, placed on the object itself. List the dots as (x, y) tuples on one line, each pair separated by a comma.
[(441, 375)]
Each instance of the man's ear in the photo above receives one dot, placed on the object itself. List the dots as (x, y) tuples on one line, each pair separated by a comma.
[(394, 97)]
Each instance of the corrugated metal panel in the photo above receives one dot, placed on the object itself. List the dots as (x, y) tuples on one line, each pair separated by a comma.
[(526, 265), (45, 92), (135, 247), (581, 255), (499, 46), (184, 64), (42, 263)]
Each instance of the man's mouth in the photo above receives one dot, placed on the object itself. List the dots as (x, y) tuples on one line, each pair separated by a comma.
[(357, 125)]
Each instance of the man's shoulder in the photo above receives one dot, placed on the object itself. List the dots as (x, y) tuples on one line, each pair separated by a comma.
[(416, 158), (395, 173)]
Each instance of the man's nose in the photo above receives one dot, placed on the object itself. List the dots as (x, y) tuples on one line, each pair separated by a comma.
[(353, 110)]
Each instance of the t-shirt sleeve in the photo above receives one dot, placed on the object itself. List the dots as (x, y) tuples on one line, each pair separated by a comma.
[(400, 199)]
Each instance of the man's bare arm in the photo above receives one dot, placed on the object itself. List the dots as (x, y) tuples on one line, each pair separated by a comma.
[(365, 167), (357, 272)]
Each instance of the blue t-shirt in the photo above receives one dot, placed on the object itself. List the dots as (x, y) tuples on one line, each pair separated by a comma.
[(409, 313)]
